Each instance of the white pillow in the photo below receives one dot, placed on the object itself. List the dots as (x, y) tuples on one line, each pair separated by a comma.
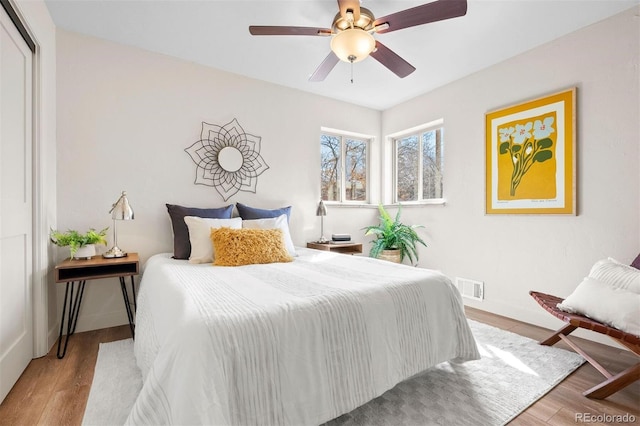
[(616, 274), (279, 222), (200, 236), (602, 302)]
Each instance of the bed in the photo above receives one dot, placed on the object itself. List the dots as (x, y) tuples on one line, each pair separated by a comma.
[(296, 343)]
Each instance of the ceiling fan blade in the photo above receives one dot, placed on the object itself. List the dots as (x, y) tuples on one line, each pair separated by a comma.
[(391, 60), (275, 30), (354, 5), (419, 15), (325, 67)]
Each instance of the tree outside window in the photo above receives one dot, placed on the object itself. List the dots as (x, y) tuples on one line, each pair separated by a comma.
[(419, 163), (343, 167), (330, 165)]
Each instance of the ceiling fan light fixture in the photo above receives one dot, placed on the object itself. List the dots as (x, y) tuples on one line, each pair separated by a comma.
[(353, 45)]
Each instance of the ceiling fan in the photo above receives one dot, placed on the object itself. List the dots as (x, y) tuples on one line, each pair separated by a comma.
[(353, 29)]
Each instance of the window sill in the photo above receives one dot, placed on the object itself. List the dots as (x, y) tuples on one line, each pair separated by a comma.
[(409, 204), (434, 201), (350, 205)]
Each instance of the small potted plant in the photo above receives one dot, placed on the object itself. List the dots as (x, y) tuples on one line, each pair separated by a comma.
[(394, 240), (82, 246)]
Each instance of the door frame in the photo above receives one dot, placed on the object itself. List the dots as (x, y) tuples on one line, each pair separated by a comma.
[(40, 261)]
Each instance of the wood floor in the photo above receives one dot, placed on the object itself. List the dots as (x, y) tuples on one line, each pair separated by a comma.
[(55, 392)]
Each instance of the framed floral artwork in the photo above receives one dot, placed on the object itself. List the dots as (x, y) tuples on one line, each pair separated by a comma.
[(530, 157)]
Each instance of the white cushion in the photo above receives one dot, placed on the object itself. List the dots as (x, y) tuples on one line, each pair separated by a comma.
[(602, 302), (616, 274), (200, 236), (279, 222)]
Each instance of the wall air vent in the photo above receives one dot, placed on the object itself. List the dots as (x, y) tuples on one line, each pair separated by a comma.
[(470, 289)]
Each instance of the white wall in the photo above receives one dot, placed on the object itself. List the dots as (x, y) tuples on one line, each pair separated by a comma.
[(36, 17), (514, 254), (125, 117)]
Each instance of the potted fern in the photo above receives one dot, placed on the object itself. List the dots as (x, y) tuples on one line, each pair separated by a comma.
[(82, 246), (394, 240)]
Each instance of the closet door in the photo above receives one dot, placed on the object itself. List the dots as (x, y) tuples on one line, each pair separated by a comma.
[(16, 333)]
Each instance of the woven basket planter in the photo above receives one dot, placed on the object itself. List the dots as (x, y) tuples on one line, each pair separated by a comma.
[(390, 255)]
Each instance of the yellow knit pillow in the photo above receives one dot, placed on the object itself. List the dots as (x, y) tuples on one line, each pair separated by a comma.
[(235, 247)]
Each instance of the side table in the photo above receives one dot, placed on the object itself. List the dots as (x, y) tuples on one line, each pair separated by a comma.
[(75, 273), (338, 247)]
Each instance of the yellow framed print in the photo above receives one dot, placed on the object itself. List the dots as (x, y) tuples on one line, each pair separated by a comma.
[(530, 157)]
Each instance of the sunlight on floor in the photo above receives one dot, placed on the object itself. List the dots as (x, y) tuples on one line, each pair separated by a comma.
[(484, 353), (511, 360)]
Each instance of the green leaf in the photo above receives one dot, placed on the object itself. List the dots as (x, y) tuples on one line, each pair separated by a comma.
[(543, 156), (376, 248), (504, 147), (373, 230), (384, 217), (398, 213), (516, 148), (545, 143)]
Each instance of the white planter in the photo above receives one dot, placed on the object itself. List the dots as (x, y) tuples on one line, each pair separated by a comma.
[(85, 252)]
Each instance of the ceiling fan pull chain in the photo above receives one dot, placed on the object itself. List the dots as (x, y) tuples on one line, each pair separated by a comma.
[(351, 59)]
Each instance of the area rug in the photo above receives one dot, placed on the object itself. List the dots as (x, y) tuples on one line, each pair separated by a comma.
[(512, 374)]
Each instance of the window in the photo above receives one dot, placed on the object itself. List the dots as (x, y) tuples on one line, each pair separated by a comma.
[(418, 163), (344, 170)]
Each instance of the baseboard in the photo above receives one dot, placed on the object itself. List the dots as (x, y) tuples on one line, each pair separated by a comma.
[(87, 323), (104, 320), (52, 336)]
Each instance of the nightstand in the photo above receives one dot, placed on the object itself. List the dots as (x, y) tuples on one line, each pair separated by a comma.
[(338, 247), (76, 272)]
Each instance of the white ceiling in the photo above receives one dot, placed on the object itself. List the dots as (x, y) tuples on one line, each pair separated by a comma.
[(215, 33)]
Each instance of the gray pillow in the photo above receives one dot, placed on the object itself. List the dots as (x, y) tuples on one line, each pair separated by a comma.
[(250, 213), (181, 244)]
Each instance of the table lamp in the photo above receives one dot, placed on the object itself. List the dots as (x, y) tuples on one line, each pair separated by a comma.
[(120, 210), (322, 212)]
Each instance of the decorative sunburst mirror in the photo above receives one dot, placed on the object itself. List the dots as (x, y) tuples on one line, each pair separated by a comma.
[(227, 158)]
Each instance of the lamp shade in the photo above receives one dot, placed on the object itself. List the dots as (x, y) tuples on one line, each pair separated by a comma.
[(353, 44), (321, 210), (121, 210)]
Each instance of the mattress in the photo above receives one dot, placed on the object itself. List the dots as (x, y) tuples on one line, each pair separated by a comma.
[(296, 343)]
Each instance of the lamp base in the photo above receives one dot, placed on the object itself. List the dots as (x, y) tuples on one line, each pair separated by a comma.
[(322, 240), (114, 252)]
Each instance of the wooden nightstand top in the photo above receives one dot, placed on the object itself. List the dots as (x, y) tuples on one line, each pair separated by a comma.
[(97, 267), (338, 247)]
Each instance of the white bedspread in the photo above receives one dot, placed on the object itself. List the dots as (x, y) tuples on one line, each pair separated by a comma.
[(290, 343)]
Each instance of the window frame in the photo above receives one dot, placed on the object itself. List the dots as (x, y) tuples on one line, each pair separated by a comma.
[(343, 136), (416, 131)]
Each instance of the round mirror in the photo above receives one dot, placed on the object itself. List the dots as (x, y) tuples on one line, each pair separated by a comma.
[(230, 159)]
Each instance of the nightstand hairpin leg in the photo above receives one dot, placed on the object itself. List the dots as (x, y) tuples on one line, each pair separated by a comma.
[(74, 309), (127, 304)]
